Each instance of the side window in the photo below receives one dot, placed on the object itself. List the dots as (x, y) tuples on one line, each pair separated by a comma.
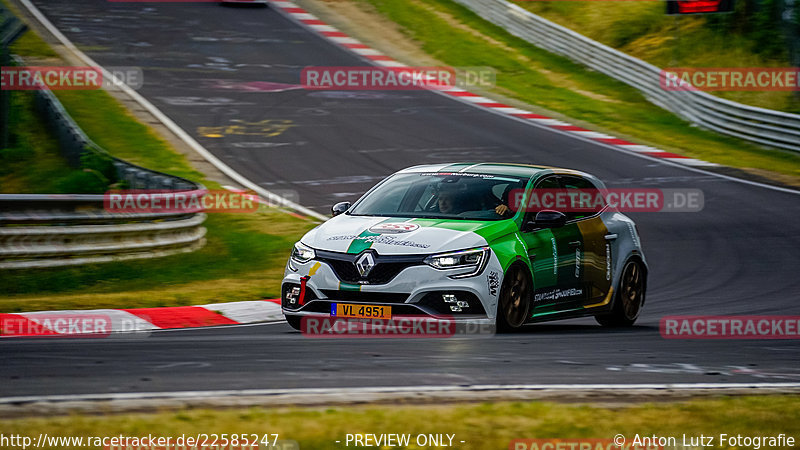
[(584, 197), (538, 201)]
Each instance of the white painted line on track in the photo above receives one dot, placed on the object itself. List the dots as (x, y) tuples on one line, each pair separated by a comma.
[(217, 327), (566, 388), (689, 164), (183, 135)]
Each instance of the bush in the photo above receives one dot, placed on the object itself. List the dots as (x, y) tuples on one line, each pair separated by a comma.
[(761, 21), (96, 176), (101, 163), (87, 181)]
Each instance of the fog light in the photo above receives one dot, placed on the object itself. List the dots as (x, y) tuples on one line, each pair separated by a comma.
[(293, 295), (455, 304)]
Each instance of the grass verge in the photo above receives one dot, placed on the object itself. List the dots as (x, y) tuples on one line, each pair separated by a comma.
[(31, 44), (528, 75), (642, 29), (31, 163), (480, 426), (242, 260)]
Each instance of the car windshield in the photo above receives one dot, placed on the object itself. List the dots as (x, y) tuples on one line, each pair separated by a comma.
[(465, 196)]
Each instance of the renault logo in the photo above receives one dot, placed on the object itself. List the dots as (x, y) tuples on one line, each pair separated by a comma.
[(365, 263)]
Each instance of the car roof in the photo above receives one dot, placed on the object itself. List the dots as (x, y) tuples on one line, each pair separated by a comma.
[(511, 169)]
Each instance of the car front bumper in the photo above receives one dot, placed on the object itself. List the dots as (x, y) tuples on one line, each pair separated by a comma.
[(417, 290)]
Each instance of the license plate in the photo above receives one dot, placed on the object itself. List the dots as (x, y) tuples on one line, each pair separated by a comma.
[(361, 311)]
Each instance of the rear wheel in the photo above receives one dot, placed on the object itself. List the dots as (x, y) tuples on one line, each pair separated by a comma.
[(514, 302), (629, 297), (294, 321)]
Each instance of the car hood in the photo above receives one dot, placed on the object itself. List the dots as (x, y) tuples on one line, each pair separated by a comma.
[(353, 234)]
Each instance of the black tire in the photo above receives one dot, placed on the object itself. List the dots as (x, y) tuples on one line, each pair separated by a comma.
[(514, 302), (629, 299), (294, 321)]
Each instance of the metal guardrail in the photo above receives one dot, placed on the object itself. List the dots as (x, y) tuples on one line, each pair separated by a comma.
[(11, 28), (50, 242), (764, 126), (73, 143), (61, 230)]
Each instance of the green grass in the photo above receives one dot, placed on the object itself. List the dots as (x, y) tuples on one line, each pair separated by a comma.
[(32, 46), (642, 29), (243, 258), (113, 128), (481, 426), (457, 37), (32, 162)]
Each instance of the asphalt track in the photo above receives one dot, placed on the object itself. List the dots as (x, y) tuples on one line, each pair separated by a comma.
[(737, 256)]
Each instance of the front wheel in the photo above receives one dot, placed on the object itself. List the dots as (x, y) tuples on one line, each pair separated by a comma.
[(629, 299), (515, 299)]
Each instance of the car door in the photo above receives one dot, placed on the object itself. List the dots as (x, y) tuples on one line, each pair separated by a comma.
[(548, 251), (587, 240)]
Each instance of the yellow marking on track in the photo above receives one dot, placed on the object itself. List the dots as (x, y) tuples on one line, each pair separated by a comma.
[(266, 128)]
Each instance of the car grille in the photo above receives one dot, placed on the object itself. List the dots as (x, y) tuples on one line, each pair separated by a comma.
[(324, 307), (365, 297), (386, 266)]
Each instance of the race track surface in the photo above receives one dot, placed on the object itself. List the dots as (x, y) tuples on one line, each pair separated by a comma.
[(211, 69)]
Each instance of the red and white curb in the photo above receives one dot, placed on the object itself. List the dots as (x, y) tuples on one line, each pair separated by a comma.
[(376, 57), (103, 322)]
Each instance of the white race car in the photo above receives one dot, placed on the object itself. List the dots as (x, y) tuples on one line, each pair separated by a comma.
[(463, 241)]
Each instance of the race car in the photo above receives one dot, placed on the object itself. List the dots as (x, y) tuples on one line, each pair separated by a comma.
[(479, 241)]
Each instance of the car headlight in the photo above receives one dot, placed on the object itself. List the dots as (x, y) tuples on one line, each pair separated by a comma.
[(302, 253), (473, 258)]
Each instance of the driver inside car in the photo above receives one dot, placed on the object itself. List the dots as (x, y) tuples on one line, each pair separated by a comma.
[(449, 202)]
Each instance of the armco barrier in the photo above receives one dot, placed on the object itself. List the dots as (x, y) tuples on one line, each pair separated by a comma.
[(73, 142), (10, 29), (61, 230), (764, 126)]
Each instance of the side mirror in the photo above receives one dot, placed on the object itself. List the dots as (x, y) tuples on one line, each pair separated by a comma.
[(546, 219), (339, 208)]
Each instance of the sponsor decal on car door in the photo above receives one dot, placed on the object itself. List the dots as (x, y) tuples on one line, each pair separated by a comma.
[(596, 259), (544, 253), (590, 243)]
